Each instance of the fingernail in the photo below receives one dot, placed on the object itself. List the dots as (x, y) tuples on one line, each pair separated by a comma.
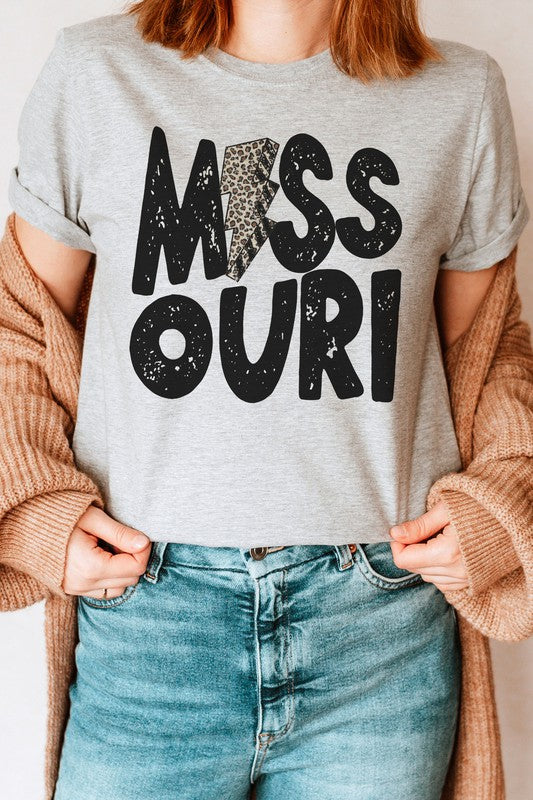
[(140, 541), (397, 530)]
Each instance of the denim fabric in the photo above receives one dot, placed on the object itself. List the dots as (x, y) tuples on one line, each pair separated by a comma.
[(317, 673)]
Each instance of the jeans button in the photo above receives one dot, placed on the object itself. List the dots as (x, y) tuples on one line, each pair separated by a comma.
[(258, 553)]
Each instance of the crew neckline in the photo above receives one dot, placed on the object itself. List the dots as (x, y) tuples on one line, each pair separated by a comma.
[(266, 71)]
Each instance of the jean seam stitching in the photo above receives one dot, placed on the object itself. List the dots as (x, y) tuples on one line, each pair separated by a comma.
[(378, 580), (155, 562), (264, 749), (300, 563), (204, 567), (275, 735), (111, 602), (290, 663), (256, 767)]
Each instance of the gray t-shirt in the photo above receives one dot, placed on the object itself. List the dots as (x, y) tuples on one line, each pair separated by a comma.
[(261, 362)]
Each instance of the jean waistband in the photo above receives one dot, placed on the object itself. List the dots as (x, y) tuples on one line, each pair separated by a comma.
[(257, 561)]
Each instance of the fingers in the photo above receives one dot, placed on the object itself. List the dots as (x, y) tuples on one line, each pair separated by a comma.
[(112, 591), (446, 584), (126, 539), (441, 551), (452, 571), (438, 561), (113, 583), (131, 558), (89, 567), (444, 580), (113, 567), (422, 527)]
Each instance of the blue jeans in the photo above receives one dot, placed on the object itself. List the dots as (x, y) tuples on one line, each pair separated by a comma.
[(317, 673)]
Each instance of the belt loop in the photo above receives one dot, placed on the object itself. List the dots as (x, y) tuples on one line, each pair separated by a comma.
[(344, 556), (155, 561)]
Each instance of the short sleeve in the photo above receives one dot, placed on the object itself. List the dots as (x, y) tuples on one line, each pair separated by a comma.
[(45, 188), (496, 211)]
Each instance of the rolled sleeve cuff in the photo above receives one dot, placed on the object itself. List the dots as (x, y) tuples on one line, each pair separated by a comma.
[(42, 216), (494, 251)]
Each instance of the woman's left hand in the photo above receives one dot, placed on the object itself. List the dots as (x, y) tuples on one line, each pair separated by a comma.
[(438, 560)]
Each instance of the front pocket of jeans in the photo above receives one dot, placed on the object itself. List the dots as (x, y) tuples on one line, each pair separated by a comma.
[(376, 564), (109, 602)]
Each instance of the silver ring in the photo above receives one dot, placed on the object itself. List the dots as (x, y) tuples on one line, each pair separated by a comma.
[(104, 596)]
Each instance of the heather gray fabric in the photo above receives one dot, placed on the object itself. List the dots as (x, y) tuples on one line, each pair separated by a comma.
[(261, 362)]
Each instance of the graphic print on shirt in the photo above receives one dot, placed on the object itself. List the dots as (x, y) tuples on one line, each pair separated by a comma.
[(245, 177)]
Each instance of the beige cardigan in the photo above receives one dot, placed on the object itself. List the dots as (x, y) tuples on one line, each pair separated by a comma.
[(42, 494)]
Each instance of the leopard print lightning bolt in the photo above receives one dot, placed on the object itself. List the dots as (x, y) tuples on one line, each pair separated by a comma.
[(246, 177)]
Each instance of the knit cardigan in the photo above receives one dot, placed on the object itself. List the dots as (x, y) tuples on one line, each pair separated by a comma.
[(489, 371)]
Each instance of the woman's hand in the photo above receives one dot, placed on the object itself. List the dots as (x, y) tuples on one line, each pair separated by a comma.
[(90, 568), (438, 560)]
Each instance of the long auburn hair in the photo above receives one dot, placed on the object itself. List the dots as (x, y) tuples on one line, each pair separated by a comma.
[(369, 39)]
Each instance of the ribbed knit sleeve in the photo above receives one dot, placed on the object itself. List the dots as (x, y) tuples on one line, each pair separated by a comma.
[(490, 502), (42, 493)]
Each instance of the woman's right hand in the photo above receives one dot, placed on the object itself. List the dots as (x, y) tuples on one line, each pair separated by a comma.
[(90, 568)]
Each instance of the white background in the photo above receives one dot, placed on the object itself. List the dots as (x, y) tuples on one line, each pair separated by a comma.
[(27, 30)]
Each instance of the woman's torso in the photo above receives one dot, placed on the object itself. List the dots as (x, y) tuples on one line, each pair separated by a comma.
[(339, 434)]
